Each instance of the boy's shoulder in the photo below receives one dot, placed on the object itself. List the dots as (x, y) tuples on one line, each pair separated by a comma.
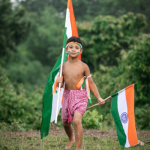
[(85, 67), (84, 64)]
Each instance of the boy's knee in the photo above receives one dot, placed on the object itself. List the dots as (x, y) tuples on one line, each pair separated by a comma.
[(76, 122)]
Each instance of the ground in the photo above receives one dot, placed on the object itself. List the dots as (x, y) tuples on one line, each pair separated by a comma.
[(93, 139)]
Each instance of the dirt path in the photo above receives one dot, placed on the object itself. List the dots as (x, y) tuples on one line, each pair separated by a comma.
[(86, 132)]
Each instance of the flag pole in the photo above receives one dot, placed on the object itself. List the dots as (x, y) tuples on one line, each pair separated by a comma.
[(62, 59), (98, 103)]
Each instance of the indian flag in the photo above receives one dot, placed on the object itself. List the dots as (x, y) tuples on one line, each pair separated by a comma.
[(122, 109), (50, 94)]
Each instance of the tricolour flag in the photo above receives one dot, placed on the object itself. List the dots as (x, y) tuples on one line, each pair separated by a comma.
[(122, 109), (50, 94)]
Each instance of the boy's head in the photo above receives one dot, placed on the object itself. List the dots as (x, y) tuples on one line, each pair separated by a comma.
[(74, 46), (76, 40)]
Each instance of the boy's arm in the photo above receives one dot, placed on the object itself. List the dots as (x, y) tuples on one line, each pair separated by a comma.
[(93, 87)]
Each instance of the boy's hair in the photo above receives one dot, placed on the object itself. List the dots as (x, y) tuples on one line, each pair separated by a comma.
[(74, 39)]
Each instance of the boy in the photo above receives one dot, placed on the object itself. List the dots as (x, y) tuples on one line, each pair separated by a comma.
[(74, 99)]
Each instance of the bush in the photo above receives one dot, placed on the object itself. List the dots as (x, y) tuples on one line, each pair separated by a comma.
[(105, 37), (134, 67), (142, 117), (19, 108), (91, 119)]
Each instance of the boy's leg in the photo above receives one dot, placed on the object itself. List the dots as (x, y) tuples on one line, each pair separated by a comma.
[(77, 123), (69, 131)]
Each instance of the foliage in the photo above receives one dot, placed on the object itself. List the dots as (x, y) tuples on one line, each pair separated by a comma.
[(24, 62), (13, 29), (87, 10), (91, 119), (37, 54), (14, 126), (143, 117), (29, 73), (133, 68), (114, 48), (107, 36), (120, 7), (19, 107), (84, 7), (45, 40), (139, 56)]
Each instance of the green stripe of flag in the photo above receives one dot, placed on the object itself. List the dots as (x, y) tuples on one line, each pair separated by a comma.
[(64, 41), (114, 110), (48, 96)]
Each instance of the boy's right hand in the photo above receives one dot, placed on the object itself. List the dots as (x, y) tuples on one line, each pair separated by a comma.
[(60, 79), (101, 101)]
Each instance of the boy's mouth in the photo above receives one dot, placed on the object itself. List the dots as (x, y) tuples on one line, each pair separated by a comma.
[(73, 53)]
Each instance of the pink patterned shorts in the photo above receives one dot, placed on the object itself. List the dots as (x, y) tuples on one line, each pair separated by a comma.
[(73, 101)]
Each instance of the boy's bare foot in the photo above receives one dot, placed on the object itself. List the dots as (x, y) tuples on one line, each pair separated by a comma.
[(69, 144)]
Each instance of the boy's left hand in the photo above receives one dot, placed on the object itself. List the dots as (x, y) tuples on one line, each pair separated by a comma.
[(101, 101)]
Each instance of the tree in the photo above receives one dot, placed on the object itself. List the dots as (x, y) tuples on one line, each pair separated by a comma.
[(133, 67), (13, 28), (45, 40), (87, 10), (120, 7), (107, 36), (84, 7), (19, 107)]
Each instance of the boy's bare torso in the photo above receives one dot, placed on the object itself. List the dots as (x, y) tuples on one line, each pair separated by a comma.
[(72, 73)]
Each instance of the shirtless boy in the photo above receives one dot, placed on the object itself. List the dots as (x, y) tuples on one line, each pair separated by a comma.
[(74, 99)]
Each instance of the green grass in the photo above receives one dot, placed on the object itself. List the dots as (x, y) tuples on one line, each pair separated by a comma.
[(10, 141)]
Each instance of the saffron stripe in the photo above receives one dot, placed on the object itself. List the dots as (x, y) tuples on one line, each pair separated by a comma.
[(73, 22), (132, 136)]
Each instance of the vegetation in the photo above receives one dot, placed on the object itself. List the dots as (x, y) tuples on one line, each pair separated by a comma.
[(91, 119), (19, 108), (13, 29), (86, 10), (58, 142), (106, 37), (116, 48)]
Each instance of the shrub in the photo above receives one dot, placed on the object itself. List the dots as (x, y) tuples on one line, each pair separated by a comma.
[(91, 119), (19, 108)]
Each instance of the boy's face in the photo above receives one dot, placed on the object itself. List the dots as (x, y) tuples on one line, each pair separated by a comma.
[(74, 50)]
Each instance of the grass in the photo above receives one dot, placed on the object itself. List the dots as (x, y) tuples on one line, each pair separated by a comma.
[(11, 141)]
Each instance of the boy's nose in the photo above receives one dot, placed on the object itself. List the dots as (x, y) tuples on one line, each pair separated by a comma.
[(73, 49)]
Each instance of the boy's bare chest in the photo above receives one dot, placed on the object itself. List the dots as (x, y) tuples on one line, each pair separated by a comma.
[(74, 72)]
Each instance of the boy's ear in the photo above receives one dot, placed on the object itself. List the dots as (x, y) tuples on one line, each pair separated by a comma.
[(81, 50)]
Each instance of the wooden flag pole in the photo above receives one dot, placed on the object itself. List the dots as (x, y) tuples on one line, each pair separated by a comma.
[(98, 103), (62, 58)]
